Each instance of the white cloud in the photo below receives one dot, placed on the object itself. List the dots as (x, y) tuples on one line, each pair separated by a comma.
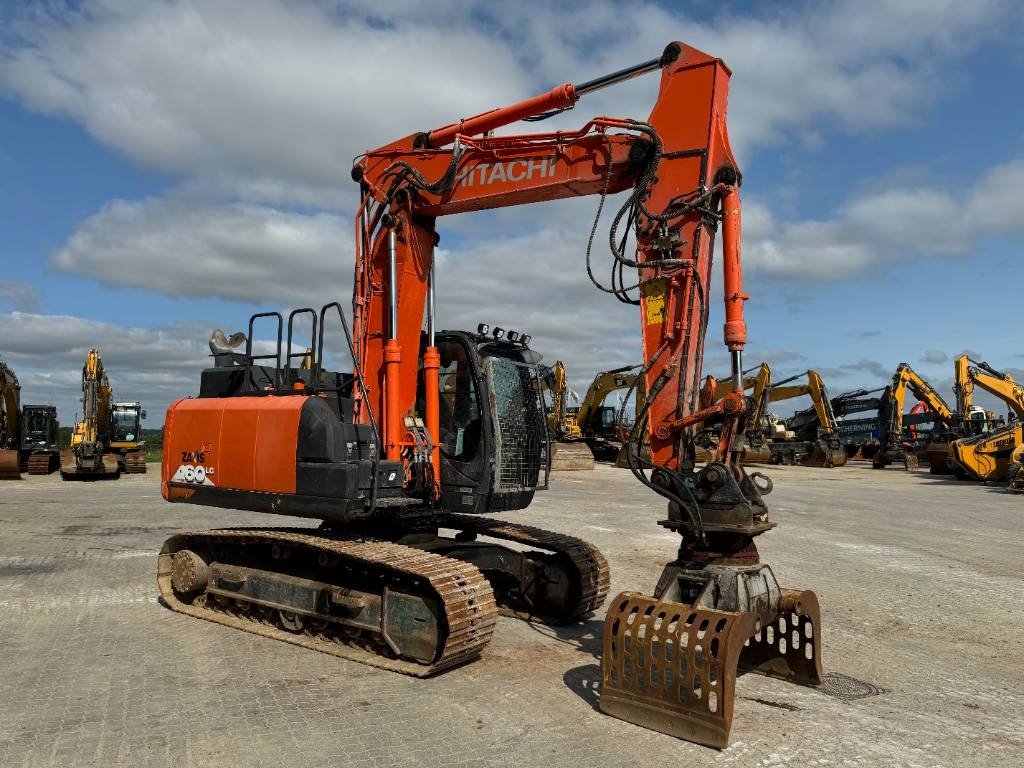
[(153, 365), (265, 98), (18, 295), (891, 225), (238, 251)]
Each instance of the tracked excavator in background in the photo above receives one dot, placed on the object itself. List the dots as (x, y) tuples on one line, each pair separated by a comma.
[(811, 438), (599, 423), (569, 452), (40, 452), (400, 457), (989, 453), (28, 434), (107, 440), (891, 421), (126, 437), (10, 424), (89, 457), (755, 434), (815, 438)]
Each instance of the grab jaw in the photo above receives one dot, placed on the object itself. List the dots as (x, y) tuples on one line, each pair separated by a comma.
[(672, 666)]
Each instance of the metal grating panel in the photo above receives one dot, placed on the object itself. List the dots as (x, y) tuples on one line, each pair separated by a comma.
[(521, 442)]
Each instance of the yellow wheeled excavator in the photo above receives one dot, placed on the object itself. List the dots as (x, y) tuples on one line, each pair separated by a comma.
[(569, 451), (988, 455), (10, 424)]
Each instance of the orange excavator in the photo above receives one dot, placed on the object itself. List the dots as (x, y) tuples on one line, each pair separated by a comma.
[(399, 457)]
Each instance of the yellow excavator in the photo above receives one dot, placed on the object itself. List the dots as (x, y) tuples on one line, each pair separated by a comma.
[(891, 421), (990, 454), (1016, 472), (599, 423), (10, 424), (811, 438), (569, 452), (755, 433), (90, 456)]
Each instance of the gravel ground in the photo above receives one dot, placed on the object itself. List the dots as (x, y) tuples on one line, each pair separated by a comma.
[(920, 581)]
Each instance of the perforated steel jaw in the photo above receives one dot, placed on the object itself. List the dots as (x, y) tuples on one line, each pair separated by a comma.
[(672, 667)]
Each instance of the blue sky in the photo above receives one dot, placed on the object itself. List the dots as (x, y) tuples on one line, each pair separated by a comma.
[(169, 168)]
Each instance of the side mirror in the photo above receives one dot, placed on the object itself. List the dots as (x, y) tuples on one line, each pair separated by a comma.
[(142, 414)]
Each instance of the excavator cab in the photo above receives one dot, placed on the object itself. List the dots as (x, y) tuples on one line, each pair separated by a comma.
[(494, 442)]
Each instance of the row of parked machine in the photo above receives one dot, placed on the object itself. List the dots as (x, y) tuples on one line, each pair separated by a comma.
[(105, 442), (964, 440)]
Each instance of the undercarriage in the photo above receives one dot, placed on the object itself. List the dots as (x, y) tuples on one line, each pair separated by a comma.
[(402, 597)]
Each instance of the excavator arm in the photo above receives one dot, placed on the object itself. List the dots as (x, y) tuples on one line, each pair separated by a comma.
[(1002, 385), (682, 184)]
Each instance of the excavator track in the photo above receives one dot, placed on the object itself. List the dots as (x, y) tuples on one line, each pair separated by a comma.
[(41, 463), (135, 463), (591, 568), (10, 467), (352, 620)]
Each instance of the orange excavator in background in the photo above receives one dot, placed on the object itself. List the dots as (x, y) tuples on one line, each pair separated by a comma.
[(432, 428)]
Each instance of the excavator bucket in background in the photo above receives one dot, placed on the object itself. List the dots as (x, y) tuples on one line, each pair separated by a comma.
[(72, 469), (826, 454), (10, 467), (672, 667), (570, 456)]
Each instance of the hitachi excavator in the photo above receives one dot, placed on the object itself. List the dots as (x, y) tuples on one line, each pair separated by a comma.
[(891, 421), (569, 452), (10, 424), (432, 428), (989, 454)]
